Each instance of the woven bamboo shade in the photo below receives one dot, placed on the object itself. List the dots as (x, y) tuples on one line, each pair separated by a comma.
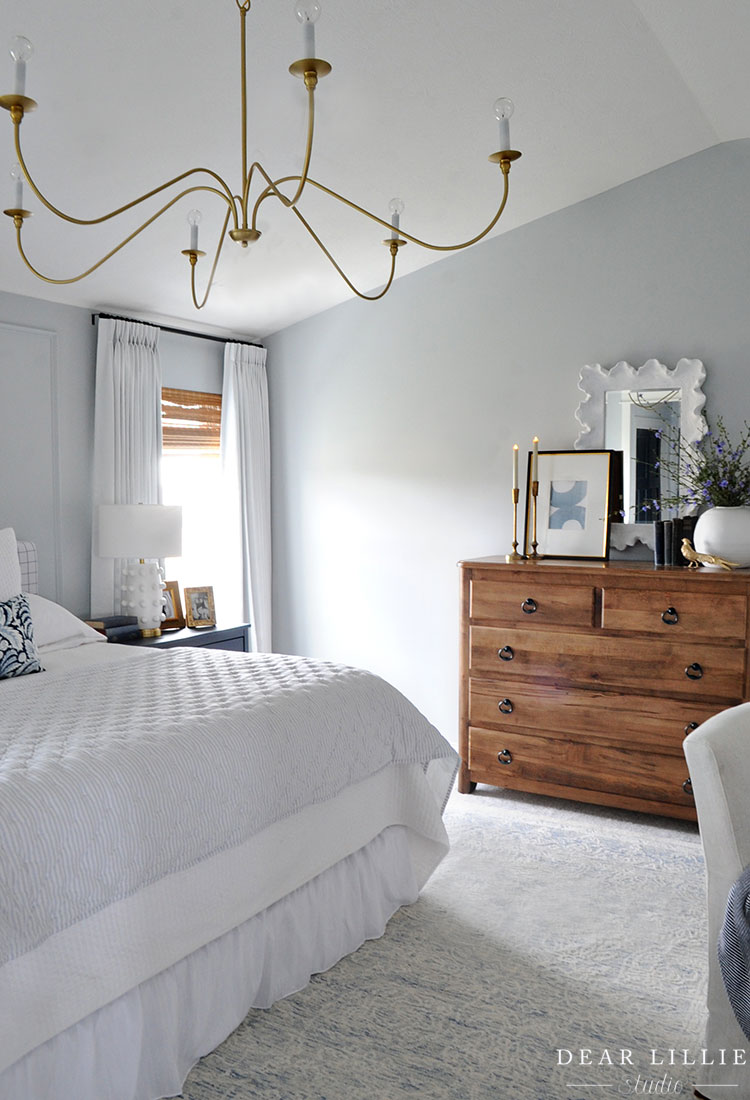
[(190, 420)]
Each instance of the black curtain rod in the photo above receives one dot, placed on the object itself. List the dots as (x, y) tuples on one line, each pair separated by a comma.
[(177, 331)]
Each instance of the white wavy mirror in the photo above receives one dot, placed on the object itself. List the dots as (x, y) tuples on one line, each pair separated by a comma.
[(623, 409)]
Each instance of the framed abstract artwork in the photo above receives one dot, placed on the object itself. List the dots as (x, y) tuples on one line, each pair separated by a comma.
[(577, 494)]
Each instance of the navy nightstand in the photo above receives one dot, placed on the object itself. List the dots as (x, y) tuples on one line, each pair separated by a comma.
[(208, 637)]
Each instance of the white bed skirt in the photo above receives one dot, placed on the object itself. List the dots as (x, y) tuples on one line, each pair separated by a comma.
[(143, 1045)]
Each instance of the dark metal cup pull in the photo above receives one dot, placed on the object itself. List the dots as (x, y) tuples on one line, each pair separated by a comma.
[(670, 616), (687, 786), (505, 756), (528, 606), (690, 727), (506, 653), (506, 706), (694, 671)]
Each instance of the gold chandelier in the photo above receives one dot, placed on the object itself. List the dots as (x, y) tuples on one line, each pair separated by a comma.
[(239, 213)]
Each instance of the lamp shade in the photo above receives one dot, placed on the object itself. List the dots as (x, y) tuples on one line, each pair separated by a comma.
[(140, 531)]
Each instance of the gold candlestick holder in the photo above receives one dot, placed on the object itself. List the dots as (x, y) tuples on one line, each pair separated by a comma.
[(515, 556), (534, 543)]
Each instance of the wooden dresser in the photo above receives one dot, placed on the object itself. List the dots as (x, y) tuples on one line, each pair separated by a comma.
[(581, 680)]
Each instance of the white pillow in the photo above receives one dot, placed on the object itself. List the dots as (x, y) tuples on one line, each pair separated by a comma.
[(57, 628), (10, 569)]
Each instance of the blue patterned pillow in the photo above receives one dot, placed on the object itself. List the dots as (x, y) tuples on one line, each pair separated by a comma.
[(18, 653)]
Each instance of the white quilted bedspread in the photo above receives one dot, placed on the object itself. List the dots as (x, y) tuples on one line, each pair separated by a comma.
[(113, 776)]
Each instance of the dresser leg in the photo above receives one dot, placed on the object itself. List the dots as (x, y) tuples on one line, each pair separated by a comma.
[(465, 785)]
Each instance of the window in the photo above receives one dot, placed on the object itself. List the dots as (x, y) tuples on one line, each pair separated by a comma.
[(192, 477)]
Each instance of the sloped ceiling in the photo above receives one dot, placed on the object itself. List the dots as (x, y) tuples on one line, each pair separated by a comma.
[(133, 93)]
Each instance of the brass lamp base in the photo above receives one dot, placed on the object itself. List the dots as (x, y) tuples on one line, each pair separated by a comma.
[(155, 633)]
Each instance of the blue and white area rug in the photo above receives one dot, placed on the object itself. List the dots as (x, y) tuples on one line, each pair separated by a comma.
[(558, 953)]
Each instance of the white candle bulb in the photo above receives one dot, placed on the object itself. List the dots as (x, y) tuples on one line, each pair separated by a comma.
[(308, 13), (515, 465), (20, 50), (503, 110), (396, 208), (17, 176), (535, 460), (194, 220)]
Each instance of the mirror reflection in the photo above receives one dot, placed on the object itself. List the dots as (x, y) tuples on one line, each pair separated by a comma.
[(645, 426)]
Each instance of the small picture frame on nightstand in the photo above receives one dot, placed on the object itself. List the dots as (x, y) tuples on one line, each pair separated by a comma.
[(175, 620), (199, 606)]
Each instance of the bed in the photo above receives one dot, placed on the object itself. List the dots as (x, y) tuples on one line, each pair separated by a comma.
[(186, 835)]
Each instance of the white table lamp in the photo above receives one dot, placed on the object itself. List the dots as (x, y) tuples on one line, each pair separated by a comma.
[(141, 531)]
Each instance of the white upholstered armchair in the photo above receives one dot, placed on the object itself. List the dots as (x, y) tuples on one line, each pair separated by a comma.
[(718, 757)]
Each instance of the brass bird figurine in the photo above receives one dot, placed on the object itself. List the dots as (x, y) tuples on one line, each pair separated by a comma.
[(694, 558)]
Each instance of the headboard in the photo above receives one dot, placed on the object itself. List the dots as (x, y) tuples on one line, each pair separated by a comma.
[(27, 558)]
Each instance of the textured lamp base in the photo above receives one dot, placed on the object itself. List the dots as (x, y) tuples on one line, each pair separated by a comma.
[(141, 595)]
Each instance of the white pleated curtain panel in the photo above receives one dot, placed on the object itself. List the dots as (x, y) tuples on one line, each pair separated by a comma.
[(127, 437), (246, 459)]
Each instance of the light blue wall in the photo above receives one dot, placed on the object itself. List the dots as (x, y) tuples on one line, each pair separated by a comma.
[(392, 424), (47, 373), (47, 354), (191, 363)]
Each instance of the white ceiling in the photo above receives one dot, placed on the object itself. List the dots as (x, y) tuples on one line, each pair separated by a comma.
[(133, 93)]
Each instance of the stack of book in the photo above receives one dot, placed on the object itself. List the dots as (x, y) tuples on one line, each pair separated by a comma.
[(668, 536), (117, 628)]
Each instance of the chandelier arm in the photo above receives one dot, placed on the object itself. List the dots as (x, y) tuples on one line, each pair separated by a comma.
[(225, 193), (272, 189), (416, 240), (222, 238), (247, 176), (308, 151), (113, 251), (243, 198), (342, 273)]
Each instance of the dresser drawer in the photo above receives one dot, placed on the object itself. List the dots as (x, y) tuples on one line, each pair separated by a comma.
[(710, 616), (687, 668), (643, 721), (532, 604), (507, 758)]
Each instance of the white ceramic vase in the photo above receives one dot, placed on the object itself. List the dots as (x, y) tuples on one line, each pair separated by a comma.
[(724, 532)]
